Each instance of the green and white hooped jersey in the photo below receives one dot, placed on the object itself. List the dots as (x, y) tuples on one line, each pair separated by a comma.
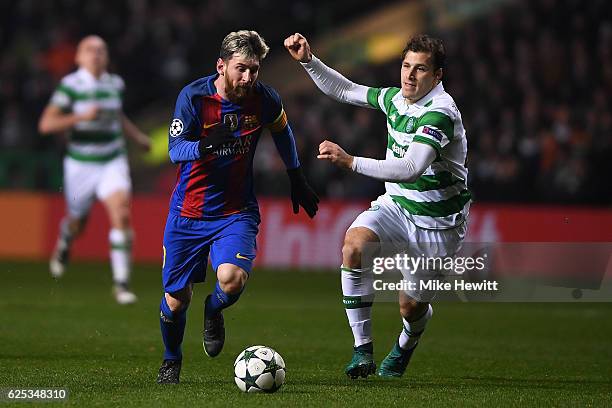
[(439, 199), (98, 140)]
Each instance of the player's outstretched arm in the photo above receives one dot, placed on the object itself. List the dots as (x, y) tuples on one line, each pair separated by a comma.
[(329, 81), (132, 132), (54, 120), (407, 169), (335, 154), (298, 48)]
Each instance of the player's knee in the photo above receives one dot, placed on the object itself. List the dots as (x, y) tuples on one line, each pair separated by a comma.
[(118, 208), (122, 217), (411, 309), (232, 280), (355, 242), (178, 301), (351, 251)]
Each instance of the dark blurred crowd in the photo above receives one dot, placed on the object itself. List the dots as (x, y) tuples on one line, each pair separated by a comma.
[(534, 84), (533, 81), (157, 46)]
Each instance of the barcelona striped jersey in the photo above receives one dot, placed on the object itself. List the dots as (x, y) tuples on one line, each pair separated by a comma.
[(221, 183)]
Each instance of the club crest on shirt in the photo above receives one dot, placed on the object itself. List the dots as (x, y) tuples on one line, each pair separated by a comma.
[(410, 124), (249, 122), (231, 120)]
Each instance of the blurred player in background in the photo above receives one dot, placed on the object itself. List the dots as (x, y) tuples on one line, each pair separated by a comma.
[(426, 203), (217, 123), (88, 105)]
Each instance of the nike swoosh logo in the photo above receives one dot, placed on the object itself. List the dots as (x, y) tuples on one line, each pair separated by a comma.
[(209, 147), (209, 125), (241, 257)]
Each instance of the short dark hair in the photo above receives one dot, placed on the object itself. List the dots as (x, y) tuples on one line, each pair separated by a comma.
[(425, 43)]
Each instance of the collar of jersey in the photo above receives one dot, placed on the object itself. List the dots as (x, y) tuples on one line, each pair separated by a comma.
[(211, 84), (88, 76), (437, 90)]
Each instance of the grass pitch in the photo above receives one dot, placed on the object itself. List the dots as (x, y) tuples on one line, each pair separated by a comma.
[(71, 334)]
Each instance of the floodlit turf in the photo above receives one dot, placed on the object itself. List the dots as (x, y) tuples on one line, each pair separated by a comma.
[(71, 334)]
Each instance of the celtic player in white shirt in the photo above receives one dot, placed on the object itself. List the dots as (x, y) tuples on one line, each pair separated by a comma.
[(87, 105), (426, 204)]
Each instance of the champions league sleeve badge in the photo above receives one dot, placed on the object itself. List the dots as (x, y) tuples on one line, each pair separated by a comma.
[(176, 127)]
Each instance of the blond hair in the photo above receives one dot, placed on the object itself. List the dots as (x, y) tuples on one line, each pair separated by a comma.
[(247, 43)]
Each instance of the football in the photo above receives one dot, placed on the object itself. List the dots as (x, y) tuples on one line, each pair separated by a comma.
[(259, 369)]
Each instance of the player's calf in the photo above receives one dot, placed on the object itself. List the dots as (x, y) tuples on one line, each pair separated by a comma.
[(69, 229), (230, 283), (172, 321), (396, 362)]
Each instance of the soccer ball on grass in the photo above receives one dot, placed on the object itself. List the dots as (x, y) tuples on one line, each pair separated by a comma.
[(259, 369)]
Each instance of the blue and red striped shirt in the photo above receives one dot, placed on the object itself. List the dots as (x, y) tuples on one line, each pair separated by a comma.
[(221, 183)]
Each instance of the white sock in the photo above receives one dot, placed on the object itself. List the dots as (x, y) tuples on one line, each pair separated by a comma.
[(120, 254), (65, 236), (358, 295), (412, 331)]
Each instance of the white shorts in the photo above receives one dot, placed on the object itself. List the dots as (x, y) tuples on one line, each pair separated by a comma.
[(85, 181), (393, 228)]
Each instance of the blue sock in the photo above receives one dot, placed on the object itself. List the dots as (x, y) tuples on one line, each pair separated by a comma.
[(220, 300), (172, 327)]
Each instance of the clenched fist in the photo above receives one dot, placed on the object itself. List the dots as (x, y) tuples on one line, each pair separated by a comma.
[(335, 154), (298, 47)]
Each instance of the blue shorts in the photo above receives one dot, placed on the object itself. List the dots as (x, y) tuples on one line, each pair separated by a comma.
[(189, 241)]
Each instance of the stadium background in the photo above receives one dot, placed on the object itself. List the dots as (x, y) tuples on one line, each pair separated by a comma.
[(533, 80)]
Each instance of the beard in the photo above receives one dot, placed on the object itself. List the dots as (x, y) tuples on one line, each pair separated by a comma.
[(236, 93)]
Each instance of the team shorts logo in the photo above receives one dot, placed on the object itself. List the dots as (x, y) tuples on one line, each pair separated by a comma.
[(231, 120), (176, 127), (432, 132)]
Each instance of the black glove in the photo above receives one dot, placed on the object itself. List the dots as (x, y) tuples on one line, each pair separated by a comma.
[(302, 194), (216, 137)]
